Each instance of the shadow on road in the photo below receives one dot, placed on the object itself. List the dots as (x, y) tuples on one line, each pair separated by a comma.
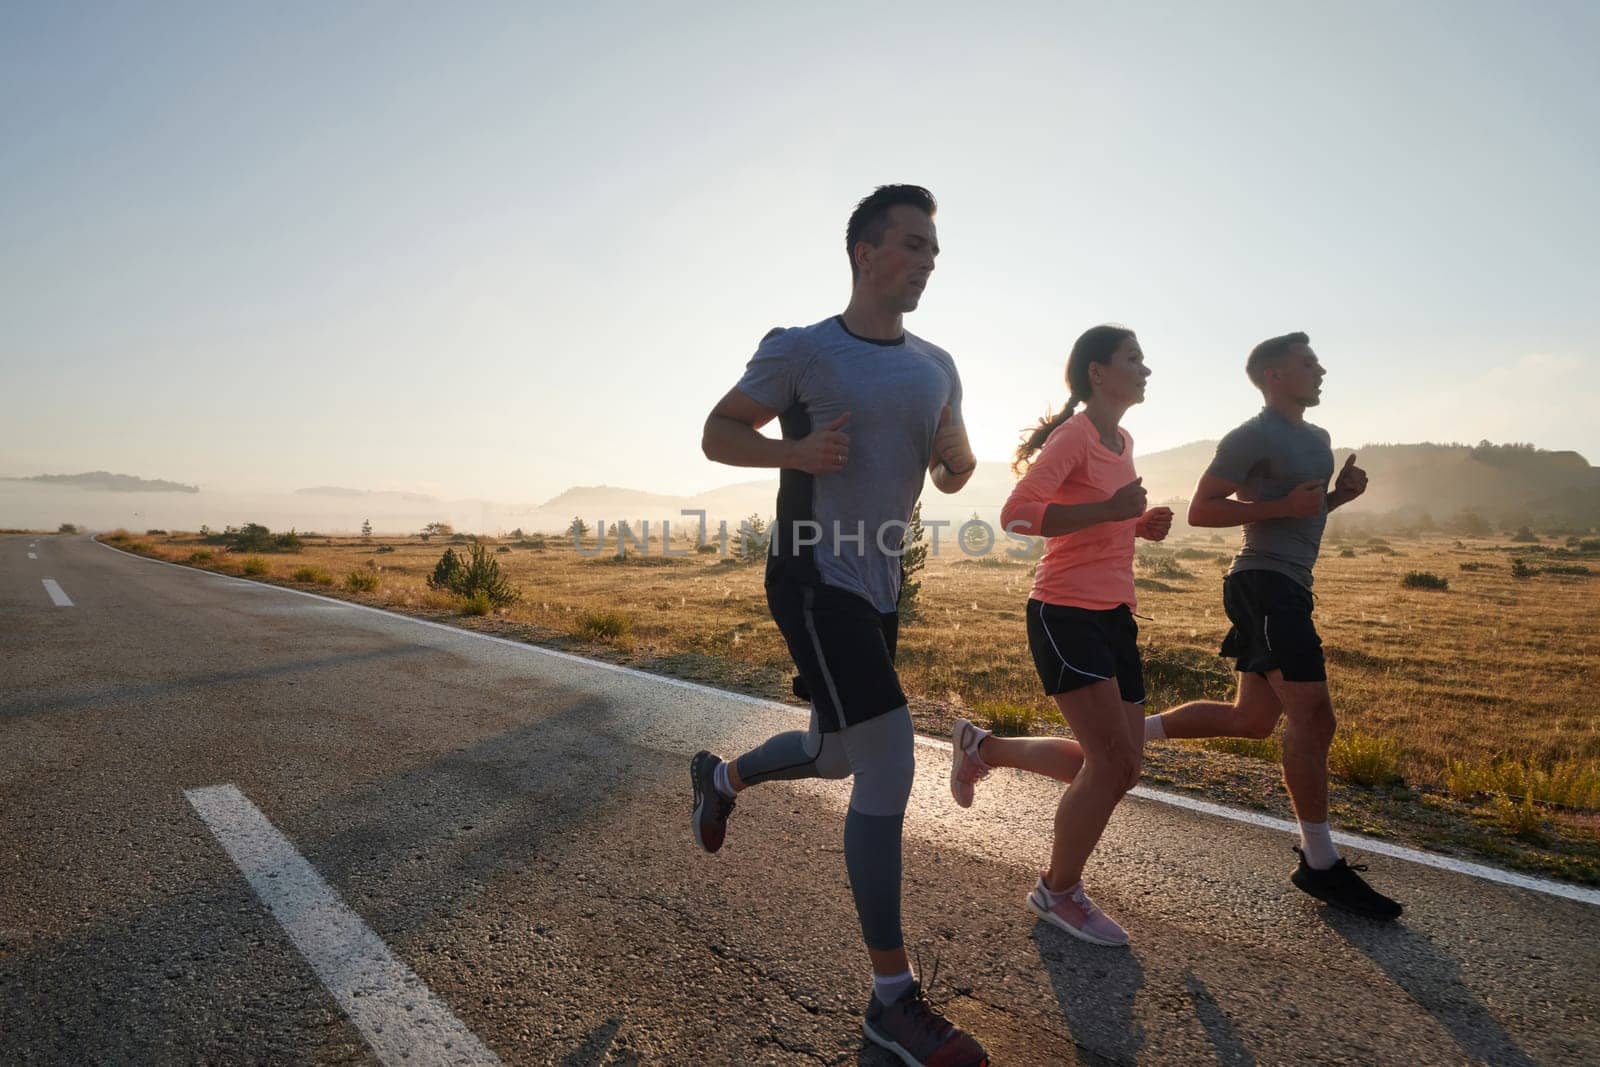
[(1218, 1027), (1095, 987), (154, 691), (210, 960), (595, 1045), (1432, 978)]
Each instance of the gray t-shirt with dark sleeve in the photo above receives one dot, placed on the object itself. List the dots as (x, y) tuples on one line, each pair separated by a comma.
[(1267, 457), (894, 392)]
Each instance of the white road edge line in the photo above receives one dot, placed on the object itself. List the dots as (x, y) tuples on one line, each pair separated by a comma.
[(61, 599), (396, 1013), (1480, 871)]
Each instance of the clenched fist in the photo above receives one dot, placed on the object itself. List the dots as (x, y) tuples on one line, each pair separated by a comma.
[(1154, 525), (1127, 502), (950, 445), (823, 451), (1352, 480), (1304, 501)]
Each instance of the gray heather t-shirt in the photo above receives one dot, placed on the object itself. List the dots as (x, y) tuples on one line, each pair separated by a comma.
[(1267, 457), (894, 391)]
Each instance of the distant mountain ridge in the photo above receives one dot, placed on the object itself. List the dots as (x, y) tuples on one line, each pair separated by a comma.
[(1497, 482), (105, 481)]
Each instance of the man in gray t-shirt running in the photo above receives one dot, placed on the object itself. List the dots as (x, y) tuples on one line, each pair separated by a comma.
[(868, 411), (1270, 475)]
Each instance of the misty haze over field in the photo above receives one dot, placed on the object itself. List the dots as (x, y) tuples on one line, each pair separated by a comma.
[(1410, 483)]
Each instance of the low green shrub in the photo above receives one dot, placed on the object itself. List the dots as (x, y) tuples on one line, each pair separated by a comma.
[(1005, 719), (361, 581), (1365, 760), (314, 575), (604, 626)]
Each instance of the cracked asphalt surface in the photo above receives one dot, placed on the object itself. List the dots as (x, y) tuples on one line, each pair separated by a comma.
[(514, 825)]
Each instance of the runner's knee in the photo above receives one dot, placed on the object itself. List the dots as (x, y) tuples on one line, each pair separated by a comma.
[(1130, 769), (1122, 768), (1257, 721), (1315, 719), (882, 756)]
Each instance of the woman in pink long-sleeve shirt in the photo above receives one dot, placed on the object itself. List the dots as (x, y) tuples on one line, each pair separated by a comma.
[(1081, 494)]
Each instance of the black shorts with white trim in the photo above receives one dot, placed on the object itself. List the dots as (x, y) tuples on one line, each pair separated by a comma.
[(1272, 627), (1075, 647)]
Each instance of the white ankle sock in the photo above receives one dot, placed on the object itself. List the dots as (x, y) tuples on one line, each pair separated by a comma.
[(1316, 841), (889, 988), (1154, 728), (720, 777)]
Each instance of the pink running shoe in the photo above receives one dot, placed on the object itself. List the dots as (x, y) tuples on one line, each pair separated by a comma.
[(1075, 913), (966, 769)]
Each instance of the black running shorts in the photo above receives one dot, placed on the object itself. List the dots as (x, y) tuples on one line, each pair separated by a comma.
[(844, 649), (1075, 647), (1272, 627)]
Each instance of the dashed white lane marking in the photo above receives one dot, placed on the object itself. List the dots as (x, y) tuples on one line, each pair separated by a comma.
[(61, 598), (1221, 811), (396, 1013)]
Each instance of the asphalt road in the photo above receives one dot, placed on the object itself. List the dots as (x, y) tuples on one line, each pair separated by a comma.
[(513, 825)]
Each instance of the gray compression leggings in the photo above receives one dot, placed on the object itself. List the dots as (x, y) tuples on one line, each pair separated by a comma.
[(881, 753)]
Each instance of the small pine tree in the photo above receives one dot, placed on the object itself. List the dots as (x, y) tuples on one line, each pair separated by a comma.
[(753, 540), (447, 572), (912, 559), (366, 529), (578, 529), (973, 538), (480, 575)]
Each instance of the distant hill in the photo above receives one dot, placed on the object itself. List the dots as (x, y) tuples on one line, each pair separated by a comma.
[(105, 481), (1408, 483)]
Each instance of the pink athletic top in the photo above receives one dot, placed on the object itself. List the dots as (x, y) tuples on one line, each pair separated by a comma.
[(1089, 568)]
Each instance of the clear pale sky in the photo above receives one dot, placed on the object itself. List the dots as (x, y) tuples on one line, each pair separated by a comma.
[(497, 251)]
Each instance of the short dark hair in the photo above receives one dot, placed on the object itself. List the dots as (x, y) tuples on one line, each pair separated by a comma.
[(870, 220), (1270, 350)]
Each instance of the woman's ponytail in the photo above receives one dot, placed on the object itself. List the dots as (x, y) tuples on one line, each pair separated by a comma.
[(1041, 433)]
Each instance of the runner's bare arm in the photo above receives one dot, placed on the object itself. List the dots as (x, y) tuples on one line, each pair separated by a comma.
[(1057, 519), (732, 436), (1211, 506)]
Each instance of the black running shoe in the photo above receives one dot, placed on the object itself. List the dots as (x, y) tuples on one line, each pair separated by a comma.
[(711, 808), (913, 1029), (1342, 887)]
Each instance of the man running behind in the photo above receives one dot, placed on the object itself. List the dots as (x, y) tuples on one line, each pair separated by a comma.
[(1270, 475)]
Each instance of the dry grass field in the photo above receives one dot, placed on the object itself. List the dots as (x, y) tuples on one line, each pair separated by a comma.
[(1469, 715)]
